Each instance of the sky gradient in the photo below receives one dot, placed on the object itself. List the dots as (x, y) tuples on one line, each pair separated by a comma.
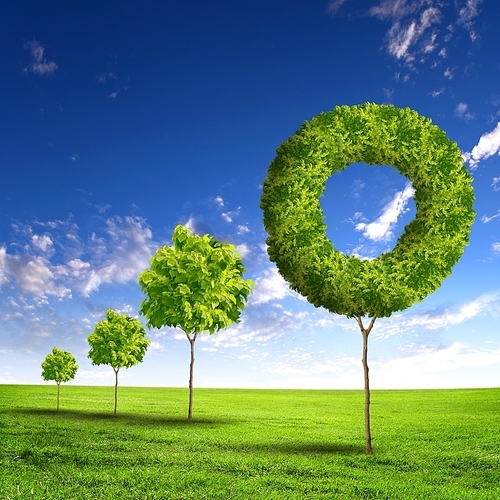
[(123, 119)]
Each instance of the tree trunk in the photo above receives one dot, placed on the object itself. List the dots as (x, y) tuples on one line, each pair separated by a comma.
[(365, 332), (192, 340), (116, 370), (58, 386)]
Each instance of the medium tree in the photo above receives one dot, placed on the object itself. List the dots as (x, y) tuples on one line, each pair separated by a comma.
[(195, 285), (423, 256), (59, 366), (118, 341)]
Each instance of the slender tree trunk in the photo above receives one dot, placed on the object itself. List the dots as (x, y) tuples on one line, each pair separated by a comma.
[(365, 332), (116, 370), (58, 386), (192, 340)]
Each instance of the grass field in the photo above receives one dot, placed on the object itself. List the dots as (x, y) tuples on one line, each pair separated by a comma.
[(439, 444)]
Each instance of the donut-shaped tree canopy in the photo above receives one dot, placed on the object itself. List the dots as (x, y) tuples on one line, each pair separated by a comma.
[(423, 255)]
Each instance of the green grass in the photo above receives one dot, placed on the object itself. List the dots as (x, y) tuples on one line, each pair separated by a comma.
[(247, 444)]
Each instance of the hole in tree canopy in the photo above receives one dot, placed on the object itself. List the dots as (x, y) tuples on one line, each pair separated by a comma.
[(366, 209)]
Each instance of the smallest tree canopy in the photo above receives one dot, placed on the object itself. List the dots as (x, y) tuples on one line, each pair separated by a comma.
[(118, 341), (59, 366)]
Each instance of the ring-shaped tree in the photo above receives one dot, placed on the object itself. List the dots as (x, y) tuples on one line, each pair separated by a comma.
[(424, 254)]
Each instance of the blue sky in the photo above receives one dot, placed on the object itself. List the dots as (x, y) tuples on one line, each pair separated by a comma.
[(123, 119)]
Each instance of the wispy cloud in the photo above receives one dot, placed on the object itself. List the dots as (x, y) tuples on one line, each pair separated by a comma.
[(335, 5), (415, 31), (411, 32), (256, 330), (381, 228), (449, 318), (487, 219), (125, 253), (39, 65), (437, 93), (467, 14), (488, 145), (437, 320), (462, 111)]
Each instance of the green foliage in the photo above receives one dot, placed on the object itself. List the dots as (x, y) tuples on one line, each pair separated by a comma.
[(431, 244), (195, 285), (118, 341), (59, 366)]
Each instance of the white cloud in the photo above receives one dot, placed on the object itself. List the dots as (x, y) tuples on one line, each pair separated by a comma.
[(467, 14), (40, 65), (496, 183), (197, 225), (335, 6), (227, 216), (4, 266), (261, 327), (414, 32), (243, 249), (381, 229), (270, 285), (130, 253), (219, 201), (34, 275), (437, 93), (115, 256), (408, 34), (155, 346), (243, 228), (410, 322), (44, 242), (448, 74), (448, 318), (488, 145), (496, 247), (390, 9), (462, 111), (487, 219)]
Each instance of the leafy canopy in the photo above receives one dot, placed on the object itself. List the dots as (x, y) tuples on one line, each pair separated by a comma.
[(430, 245), (59, 366), (195, 285), (118, 341)]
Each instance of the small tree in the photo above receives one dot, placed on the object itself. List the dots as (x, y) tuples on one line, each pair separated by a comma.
[(118, 341), (59, 366), (195, 285)]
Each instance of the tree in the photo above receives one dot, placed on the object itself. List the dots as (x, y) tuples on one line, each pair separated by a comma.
[(195, 285), (59, 366), (118, 341), (423, 256)]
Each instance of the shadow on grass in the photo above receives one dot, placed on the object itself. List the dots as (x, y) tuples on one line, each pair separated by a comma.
[(127, 418), (308, 448)]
